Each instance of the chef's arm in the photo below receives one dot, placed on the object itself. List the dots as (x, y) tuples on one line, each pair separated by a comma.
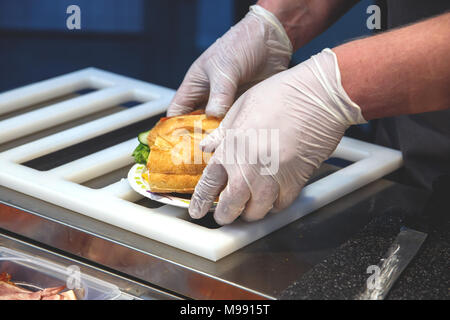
[(405, 71), (303, 20)]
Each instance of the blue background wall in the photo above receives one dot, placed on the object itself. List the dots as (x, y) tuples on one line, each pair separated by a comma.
[(50, 15), (151, 40)]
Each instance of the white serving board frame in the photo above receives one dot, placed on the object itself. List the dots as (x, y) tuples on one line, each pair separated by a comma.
[(113, 204)]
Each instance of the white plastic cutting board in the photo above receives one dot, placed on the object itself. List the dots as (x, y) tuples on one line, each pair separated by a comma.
[(113, 204)]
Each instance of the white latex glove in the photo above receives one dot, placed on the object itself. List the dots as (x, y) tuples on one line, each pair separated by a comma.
[(310, 109), (251, 51)]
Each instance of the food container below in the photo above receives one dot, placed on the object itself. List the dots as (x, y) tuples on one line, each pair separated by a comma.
[(34, 273)]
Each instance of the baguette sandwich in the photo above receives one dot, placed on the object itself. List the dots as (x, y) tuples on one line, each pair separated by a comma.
[(172, 154)]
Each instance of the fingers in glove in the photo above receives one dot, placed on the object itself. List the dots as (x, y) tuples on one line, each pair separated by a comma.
[(213, 140), (207, 189), (221, 95), (232, 200), (192, 93), (264, 192), (286, 196)]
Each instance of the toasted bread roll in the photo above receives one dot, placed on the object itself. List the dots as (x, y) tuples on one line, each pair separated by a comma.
[(176, 163)]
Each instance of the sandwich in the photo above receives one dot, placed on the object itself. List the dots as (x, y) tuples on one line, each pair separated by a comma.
[(171, 152)]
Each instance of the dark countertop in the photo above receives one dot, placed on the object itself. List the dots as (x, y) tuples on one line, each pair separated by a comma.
[(343, 274)]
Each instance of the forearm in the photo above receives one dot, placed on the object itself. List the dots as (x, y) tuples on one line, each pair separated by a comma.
[(303, 20), (405, 71)]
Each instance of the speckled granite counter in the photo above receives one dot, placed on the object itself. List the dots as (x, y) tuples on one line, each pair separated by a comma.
[(343, 275)]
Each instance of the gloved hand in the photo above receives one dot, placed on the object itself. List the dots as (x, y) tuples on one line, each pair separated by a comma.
[(309, 109), (251, 51)]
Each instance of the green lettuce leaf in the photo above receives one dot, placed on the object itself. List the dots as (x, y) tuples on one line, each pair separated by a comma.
[(141, 153)]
